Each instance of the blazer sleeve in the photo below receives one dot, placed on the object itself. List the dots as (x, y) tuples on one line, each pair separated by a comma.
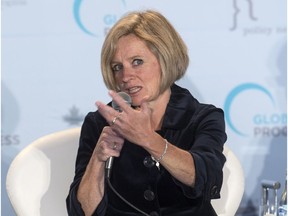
[(208, 137)]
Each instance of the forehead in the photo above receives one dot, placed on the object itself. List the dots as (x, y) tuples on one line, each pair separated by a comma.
[(130, 44), (130, 38)]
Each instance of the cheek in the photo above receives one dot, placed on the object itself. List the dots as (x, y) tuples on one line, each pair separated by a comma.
[(156, 79), (118, 78)]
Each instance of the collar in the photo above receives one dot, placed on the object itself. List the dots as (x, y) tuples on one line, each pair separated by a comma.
[(180, 108)]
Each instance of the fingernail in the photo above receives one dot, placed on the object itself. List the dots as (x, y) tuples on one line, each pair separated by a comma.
[(110, 92)]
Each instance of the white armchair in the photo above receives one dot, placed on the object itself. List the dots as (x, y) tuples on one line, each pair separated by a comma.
[(233, 186), (39, 177)]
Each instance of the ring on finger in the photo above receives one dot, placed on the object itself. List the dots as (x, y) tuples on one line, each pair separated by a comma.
[(115, 118), (115, 146), (113, 121)]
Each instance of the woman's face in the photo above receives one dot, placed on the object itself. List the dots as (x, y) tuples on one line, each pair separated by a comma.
[(136, 69)]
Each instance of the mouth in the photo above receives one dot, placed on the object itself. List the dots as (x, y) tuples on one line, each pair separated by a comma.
[(133, 90)]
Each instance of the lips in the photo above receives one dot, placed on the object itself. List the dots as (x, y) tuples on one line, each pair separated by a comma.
[(133, 90)]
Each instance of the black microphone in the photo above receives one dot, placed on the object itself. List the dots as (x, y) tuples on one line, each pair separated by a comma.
[(128, 100)]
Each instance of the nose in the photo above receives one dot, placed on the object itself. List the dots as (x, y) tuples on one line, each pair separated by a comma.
[(127, 74)]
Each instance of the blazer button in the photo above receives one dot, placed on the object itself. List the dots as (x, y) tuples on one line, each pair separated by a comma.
[(154, 213), (148, 162), (214, 190), (149, 195)]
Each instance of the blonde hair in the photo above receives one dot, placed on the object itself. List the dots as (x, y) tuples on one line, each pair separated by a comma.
[(160, 37)]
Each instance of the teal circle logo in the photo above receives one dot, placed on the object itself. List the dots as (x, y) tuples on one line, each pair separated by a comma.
[(77, 16), (234, 93)]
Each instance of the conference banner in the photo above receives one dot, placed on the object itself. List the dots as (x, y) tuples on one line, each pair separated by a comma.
[(51, 74)]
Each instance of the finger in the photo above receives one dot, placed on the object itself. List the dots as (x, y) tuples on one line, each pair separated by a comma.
[(108, 133), (114, 147), (104, 109), (117, 144), (101, 151), (119, 147), (111, 139), (107, 112), (116, 118), (109, 150)]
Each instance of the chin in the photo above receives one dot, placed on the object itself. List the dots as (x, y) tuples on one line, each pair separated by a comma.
[(136, 103)]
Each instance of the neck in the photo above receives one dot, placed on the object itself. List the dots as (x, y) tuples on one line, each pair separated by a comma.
[(158, 108)]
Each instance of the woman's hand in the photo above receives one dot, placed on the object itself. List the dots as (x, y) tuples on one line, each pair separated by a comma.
[(137, 126), (91, 187), (109, 144), (131, 124)]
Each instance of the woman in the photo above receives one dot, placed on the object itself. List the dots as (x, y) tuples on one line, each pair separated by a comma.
[(167, 146)]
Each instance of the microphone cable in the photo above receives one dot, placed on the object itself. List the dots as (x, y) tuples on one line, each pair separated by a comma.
[(126, 97), (124, 200)]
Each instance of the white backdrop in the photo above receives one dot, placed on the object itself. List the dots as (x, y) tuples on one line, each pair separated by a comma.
[(51, 74)]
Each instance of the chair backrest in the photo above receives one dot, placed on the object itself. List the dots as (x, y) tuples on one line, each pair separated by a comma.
[(233, 186), (39, 177)]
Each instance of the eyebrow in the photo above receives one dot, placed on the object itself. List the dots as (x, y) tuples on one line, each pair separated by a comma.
[(130, 58)]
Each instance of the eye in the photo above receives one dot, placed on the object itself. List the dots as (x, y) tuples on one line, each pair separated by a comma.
[(137, 62), (117, 67)]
